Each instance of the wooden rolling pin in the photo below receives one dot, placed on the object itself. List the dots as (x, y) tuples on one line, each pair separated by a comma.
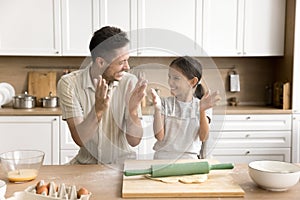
[(179, 169)]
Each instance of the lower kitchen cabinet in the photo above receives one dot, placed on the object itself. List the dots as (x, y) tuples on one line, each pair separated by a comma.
[(145, 148), (296, 139), (31, 132), (67, 155), (246, 155), (244, 138), (68, 148)]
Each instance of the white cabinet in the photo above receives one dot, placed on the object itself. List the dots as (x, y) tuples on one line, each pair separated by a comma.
[(68, 148), (117, 13), (30, 27), (145, 148), (80, 19), (222, 21), (31, 132), (296, 139), (243, 27), (156, 28), (78, 26), (244, 138), (169, 27), (296, 88), (122, 14), (238, 155), (264, 27)]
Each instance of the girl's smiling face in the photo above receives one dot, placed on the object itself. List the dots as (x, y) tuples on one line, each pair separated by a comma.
[(181, 87)]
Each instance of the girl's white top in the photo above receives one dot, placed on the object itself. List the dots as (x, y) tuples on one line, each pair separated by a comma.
[(181, 129)]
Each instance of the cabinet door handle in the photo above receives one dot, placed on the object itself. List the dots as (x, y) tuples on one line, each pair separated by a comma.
[(247, 153), (247, 118), (247, 136)]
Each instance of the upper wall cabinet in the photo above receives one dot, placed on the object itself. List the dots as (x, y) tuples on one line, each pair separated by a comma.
[(155, 28), (222, 22), (121, 14), (117, 13), (169, 27), (81, 18), (30, 27), (264, 27), (77, 26), (243, 27)]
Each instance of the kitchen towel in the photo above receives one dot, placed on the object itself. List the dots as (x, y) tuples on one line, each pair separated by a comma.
[(234, 80)]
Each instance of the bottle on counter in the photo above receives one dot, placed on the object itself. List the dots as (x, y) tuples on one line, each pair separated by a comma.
[(268, 95)]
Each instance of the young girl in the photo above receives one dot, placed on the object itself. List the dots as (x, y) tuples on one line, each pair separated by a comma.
[(181, 121)]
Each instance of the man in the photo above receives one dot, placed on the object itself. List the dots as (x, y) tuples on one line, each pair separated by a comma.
[(101, 103)]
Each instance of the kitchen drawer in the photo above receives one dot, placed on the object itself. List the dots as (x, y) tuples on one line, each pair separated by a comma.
[(66, 140), (145, 148), (251, 122), (67, 155), (246, 155), (231, 139)]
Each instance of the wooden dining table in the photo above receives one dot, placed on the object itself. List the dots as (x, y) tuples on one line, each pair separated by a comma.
[(105, 182)]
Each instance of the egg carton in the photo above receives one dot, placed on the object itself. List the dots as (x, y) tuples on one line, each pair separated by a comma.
[(62, 192)]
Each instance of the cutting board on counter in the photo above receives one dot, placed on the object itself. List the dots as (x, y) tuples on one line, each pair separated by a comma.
[(219, 184), (40, 84)]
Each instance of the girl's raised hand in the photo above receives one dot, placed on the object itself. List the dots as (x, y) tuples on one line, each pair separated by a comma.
[(155, 99), (209, 100)]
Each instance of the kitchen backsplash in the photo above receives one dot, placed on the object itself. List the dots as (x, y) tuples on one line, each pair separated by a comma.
[(254, 73)]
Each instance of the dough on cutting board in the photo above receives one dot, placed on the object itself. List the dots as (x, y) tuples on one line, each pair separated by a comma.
[(188, 179)]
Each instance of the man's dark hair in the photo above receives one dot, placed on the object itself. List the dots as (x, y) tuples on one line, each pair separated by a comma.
[(105, 41)]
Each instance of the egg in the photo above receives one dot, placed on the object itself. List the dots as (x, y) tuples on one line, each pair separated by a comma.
[(82, 191), (39, 184), (42, 190), (55, 187)]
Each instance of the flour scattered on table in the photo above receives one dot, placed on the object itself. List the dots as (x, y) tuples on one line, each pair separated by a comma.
[(188, 179)]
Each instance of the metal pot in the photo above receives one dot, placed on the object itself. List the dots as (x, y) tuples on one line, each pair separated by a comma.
[(24, 101), (50, 101)]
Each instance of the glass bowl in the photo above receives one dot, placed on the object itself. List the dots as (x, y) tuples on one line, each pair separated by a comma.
[(22, 165)]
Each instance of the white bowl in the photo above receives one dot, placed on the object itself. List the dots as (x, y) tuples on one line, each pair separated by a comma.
[(2, 189), (274, 175)]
